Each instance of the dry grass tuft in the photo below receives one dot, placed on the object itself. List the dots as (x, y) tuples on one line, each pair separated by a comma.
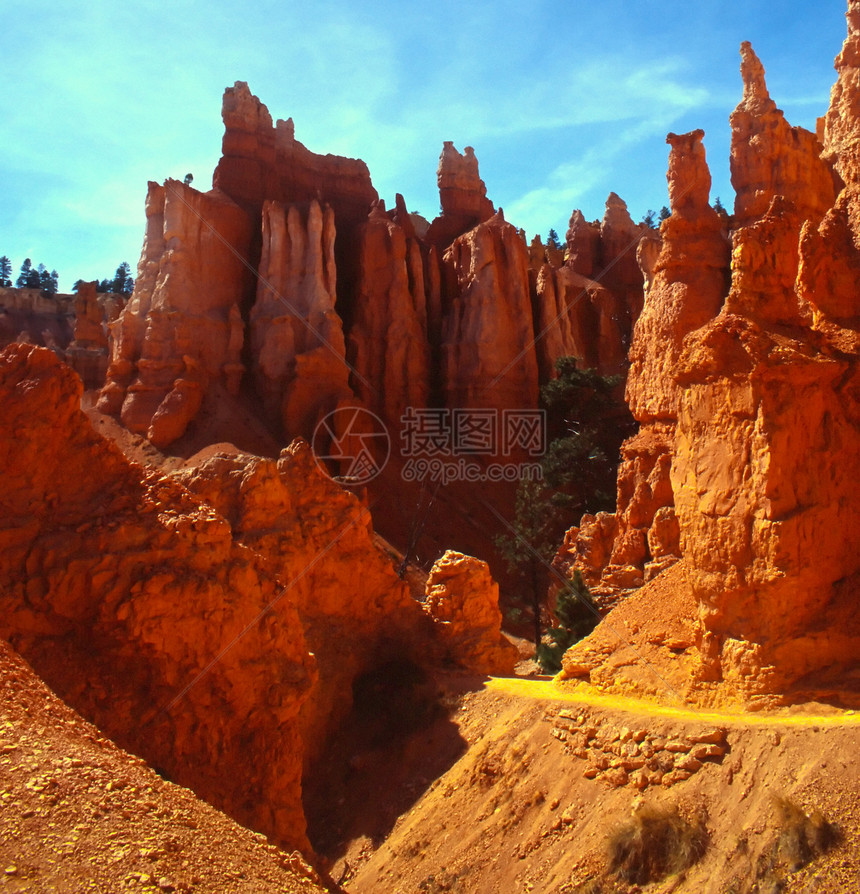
[(802, 836), (655, 843)]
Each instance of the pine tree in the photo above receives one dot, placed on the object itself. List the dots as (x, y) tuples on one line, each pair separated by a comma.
[(5, 272), (46, 282), (552, 240), (665, 213), (23, 280), (586, 423), (123, 283)]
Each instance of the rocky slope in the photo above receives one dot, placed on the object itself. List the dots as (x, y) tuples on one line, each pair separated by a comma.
[(179, 612), (79, 814)]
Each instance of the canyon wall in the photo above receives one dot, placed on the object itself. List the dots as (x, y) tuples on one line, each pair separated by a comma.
[(749, 387), (210, 620), (291, 266)]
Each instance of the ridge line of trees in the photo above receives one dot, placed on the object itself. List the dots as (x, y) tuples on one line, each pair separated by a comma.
[(30, 277)]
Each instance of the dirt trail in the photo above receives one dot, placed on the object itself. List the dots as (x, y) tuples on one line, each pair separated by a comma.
[(548, 771), (816, 715)]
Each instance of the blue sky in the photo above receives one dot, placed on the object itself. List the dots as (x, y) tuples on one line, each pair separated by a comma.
[(563, 102)]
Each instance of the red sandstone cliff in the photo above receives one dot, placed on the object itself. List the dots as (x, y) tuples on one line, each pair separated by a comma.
[(297, 345), (182, 327), (488, 353), (212, 620), (389, 341), (756, 409)]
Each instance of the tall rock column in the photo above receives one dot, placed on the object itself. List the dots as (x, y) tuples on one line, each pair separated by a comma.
[(488, 353), (388, 341), (767, 447), (770, 157), (182, 328), (689, 281), (296, 335), (462, 195), (829, 268)]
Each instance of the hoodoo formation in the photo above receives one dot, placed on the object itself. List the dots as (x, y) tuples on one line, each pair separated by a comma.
[(181, 565)]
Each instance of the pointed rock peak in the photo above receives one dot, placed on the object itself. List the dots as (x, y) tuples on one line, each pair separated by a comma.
[(616, 215), (756, 96), (613, 200), (456, 170), (461, 190), (285, 130), (689, 177), (400, 215), (242, 110), (577, 219)]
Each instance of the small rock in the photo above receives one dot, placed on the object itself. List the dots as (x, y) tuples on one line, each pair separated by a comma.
[(713, 736)]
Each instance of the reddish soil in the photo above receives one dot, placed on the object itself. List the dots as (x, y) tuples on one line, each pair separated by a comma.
[(79, 814)]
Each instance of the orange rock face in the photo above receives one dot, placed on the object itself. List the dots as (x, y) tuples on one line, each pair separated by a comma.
[(87, 354), (138, 608), (389, 342), (462, 194), (688, 282), (182, 328), (463, 601), (313, 535), (488, 352), (687, 286), (587, 306), (759, 404), (297, 342), (772, 158), (262, 162), (210, 620)]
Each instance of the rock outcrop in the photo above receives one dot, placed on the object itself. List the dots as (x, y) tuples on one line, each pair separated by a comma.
[(297, 342), (488, 353), (182, 328), (587, 306), (462, 195), (261, 161), (87, 354), (389, 341), (758, 406), (688, 282), (210, 620), (829, 267), (463, 600), (137, 607), (772, 158)]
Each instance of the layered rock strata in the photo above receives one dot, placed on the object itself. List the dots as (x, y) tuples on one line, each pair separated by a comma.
[(182, 328), (760, 412)]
